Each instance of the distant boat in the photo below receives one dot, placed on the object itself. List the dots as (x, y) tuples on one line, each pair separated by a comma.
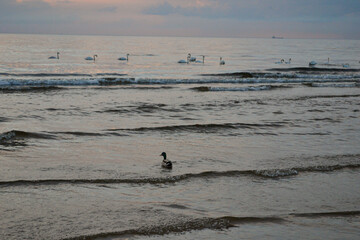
[(273, 37)]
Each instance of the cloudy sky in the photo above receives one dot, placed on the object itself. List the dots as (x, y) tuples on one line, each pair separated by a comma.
[(200, 18)]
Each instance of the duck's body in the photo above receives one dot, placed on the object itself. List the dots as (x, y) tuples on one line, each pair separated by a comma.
[(166, 163), (280, 62)]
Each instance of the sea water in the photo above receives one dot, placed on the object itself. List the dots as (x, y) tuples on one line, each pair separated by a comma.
[(260, 149)]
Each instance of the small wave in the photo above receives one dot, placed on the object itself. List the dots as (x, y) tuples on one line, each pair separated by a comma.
[(327, 214), (179, 227), (267, 173), (220, 223), (343, 85), (15, 134), (109, 80), (322, 96), (237, 89), (110, 74), (11, 89), (79, 133), (65, 82), (46, 74), (234, 74), (211, 127), (314, 69), (4, 119), (141, 108)]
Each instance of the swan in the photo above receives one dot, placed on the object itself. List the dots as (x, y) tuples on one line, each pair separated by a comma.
[(191, 59), (280, 62), (187, 59), (203, 61), (312, 63), (57, 56), (166, 163), (289, 62), (222, 62), (91, 58), (123, 58)]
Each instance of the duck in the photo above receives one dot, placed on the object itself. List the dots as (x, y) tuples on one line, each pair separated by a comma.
[(123, 58), (91, 58), (222, 62), (289, 62), (57, 56), (280, 62), (166, 163)]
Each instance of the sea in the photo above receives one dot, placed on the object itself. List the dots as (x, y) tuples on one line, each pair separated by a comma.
[(261, 148)]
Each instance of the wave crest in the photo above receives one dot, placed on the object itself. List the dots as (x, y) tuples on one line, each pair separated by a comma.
[(270, 173)]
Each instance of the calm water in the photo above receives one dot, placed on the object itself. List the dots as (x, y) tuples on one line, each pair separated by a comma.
[(260, 150)]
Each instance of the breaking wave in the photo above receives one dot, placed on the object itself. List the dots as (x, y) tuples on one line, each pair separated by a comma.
[(197, 224), (292, 75), (8, 137), (178, 227)]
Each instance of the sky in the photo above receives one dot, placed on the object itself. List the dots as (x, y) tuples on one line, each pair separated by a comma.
[(338, 19)]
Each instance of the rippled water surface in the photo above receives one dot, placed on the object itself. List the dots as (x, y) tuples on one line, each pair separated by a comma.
[(260, 149)]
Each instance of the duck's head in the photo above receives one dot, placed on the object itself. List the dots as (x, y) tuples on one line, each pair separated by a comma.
[(163, 154)]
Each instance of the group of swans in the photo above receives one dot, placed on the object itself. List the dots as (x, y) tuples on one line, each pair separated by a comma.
[(193, 59), (93, 58), (189, 58), (282, 61), (344, 65)]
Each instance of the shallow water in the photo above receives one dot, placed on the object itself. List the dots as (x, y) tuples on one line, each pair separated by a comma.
[(260, 150)]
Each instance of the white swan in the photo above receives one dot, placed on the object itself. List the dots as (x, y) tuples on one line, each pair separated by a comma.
[(123, 58), (57, 56), (192, 59), (203, 61), (91, 58), (280, 62), (187, 59), (312, 63), (222, 62)]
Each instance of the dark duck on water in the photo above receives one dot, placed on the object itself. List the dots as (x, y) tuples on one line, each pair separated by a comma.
[(166, 163)]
